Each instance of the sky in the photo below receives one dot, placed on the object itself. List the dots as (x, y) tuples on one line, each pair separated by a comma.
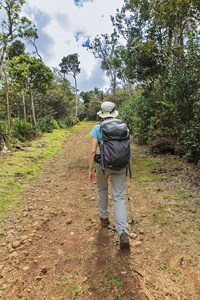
[(64, 26)]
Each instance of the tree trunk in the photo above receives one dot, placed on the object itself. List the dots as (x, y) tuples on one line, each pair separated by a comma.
[(178, 36), (24, 105), (189, 29), (7, 102), (1, 135), (2, 59), (18, 106), (129, 88), (113, 78), (32, 107), (4, 149), (76, 113), (170, 35), (114, 84)]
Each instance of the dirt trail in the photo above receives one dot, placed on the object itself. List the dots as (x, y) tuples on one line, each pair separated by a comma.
[(56, 248)]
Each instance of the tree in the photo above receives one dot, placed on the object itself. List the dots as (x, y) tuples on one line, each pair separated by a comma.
[(7, 100), (70, 66), (31, 71), (120, 63), (13, 26), (16, 48), (103, 47), (92, 102), (163, 55), (59, 101), (32, 42)]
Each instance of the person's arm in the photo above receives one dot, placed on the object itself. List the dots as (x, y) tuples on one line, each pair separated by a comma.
[(93, 148)]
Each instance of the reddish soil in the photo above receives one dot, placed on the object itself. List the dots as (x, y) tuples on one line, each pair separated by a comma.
[(55, 248)]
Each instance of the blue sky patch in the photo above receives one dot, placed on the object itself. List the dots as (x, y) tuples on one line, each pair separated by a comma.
[(86, 43), (80, 36), (81, 2), (77, 35)]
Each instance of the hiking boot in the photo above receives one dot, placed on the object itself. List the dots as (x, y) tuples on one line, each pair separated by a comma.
[(105, 222), (124, 241)]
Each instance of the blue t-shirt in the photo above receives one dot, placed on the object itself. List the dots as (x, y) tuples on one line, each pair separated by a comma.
[(97, 133)]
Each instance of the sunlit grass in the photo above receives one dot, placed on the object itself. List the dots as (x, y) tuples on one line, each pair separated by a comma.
[(17, 169)]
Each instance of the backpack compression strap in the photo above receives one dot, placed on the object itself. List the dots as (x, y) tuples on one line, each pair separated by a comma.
[(102, 160)]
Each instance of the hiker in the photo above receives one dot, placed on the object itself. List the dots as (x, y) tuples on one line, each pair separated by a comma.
[(118, 180)]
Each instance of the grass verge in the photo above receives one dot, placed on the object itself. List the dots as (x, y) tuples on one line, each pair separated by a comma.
[(18, 169)]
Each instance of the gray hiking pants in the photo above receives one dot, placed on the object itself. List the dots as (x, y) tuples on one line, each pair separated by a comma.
[(118, 180)]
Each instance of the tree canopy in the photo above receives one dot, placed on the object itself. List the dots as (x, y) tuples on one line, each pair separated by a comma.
[(13, 26), (152, 58), (70, 66)]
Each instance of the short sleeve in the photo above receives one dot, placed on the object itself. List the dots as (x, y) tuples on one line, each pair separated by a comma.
[(96, 132)]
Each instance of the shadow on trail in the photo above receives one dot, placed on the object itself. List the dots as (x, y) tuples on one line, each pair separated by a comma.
[(109, 270)]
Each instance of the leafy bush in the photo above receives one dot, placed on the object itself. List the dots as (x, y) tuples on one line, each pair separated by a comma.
[(145, 120), (190, 141), (47, 124), (70, 121), (126, 112), (67, 122), (61, 124), (138, 114), (22, 130)]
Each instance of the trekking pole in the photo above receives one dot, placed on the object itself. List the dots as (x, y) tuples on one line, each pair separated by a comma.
[(132, 220)]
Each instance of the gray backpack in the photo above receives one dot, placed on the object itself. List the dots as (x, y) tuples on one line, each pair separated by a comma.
[(115, 145)]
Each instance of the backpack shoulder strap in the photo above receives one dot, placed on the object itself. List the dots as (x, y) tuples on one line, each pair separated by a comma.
[(100, 123)]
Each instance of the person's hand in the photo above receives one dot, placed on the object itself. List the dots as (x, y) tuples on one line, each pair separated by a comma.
[(92, 177)]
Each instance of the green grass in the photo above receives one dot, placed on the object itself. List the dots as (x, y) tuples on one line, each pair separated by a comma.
[(174, 208), (110, 282), (18, 169), (142, 170), (73, 289)]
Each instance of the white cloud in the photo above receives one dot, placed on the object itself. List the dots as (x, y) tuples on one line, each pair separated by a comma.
[(96, 78), (61, 20)]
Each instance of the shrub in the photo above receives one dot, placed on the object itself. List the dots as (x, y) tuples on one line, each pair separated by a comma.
[(70, 121), (22, 130), (190, 141), (138, 114), (47, 124), (126, 113), (4, 125), (61, 124)]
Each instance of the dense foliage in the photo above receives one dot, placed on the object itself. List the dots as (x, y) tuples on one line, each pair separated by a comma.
[(152, 59), (162, 56), (23, 131)]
